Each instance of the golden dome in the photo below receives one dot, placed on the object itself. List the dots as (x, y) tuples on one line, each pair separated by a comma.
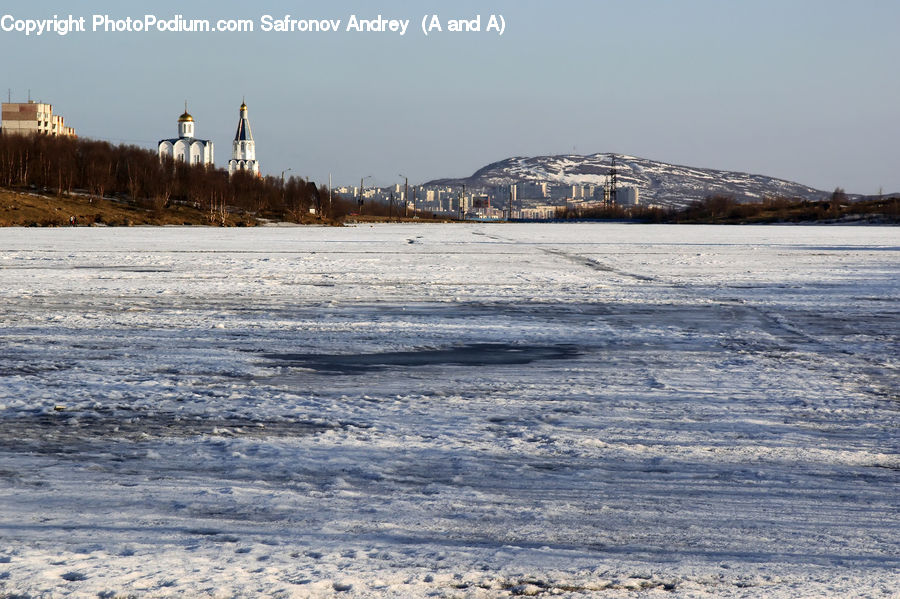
[(243, 106), (185, 118)]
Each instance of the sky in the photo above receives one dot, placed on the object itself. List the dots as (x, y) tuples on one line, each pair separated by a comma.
[(803, 90)]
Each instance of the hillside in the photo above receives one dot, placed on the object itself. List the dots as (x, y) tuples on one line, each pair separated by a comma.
[(659, 182), (29, 210)]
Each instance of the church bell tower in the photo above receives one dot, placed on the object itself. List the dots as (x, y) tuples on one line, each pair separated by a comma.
[(243, 148)]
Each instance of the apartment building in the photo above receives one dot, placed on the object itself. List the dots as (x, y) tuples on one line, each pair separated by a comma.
[(26, 118)]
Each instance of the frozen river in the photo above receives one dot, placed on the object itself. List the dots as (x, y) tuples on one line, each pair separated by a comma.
[(450, 410)]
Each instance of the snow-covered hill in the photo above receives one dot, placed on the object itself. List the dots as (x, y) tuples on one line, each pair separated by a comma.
[(658, 182)]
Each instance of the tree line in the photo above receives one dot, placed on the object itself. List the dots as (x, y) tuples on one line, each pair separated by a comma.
[(67, 166), (726, 209)]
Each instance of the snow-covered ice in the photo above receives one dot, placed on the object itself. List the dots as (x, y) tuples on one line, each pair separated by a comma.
[(450, 410)]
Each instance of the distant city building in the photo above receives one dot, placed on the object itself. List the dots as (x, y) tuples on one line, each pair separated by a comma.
[(186, 148), (481, 201), (539, 212), (627, 196), (26, 118), (503, 196), (531, 190), (559, 191), (581, 192), (243, 148), (463, 202)]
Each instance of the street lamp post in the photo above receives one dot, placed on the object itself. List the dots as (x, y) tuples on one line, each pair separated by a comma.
[(282, 187)]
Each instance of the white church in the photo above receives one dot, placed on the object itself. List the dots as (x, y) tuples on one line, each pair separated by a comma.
[(185, 147), (243, 148)]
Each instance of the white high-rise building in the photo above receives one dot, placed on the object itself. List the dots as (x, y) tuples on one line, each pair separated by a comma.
[(243, 148), (185, 147), (628, 196)]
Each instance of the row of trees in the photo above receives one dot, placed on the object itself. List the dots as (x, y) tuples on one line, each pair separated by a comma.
[(65, 166), (838, 206), (615, 212), (726, 209)]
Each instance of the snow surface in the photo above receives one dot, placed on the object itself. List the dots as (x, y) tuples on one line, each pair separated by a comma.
[(450, 410)]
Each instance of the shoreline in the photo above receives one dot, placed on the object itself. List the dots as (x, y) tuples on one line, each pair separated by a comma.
[(32, 209)]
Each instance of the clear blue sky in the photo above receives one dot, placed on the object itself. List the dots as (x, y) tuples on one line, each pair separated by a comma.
[(806, 90)]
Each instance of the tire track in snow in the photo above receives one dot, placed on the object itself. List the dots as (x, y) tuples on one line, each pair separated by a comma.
[(881, 382), (576, 259)]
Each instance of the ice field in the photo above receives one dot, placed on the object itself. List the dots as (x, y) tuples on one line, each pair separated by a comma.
[(466, 410)]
